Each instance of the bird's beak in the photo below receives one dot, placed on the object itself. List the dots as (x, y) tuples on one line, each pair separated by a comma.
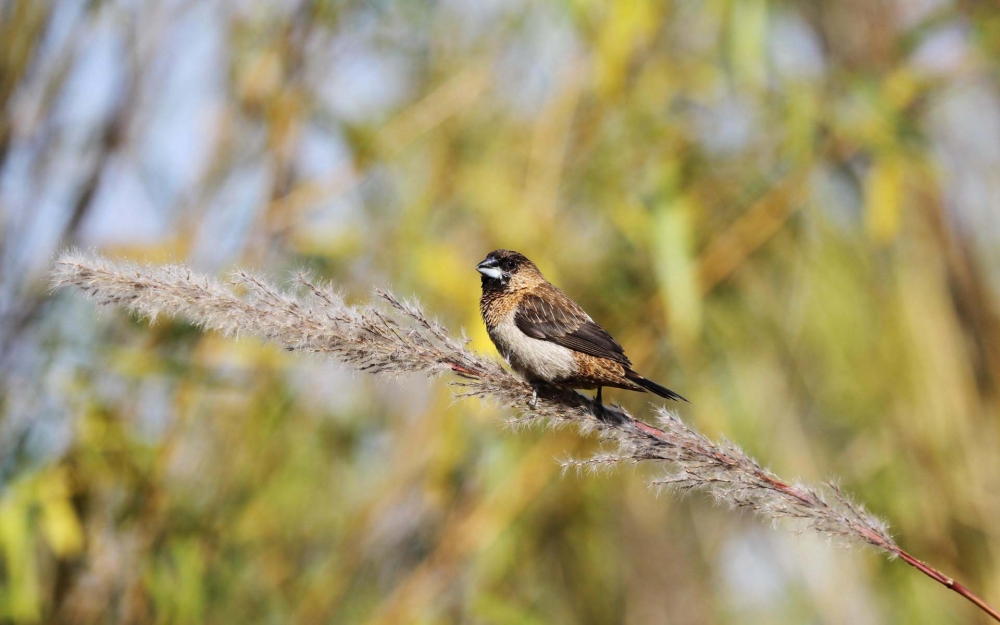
[(490, 268)]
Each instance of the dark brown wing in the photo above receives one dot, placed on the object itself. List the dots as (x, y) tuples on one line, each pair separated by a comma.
[(552, 316)]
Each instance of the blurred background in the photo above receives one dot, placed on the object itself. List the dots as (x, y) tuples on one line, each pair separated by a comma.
[(786, 211)]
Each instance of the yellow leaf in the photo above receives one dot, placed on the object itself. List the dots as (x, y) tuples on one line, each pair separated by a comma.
[(677, 267), (883, 199), (59, 521), (629, 25), (900, 88), (748, 34), (21, 596)]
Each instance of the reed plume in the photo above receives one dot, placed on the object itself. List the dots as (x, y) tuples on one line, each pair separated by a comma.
[(393, 336)]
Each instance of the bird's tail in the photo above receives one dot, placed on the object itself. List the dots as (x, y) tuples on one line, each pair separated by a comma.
[(652, 386)]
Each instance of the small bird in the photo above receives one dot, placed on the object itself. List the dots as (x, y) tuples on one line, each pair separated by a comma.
[(546, 337)]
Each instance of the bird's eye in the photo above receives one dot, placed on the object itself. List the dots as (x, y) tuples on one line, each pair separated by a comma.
[(507, 264)]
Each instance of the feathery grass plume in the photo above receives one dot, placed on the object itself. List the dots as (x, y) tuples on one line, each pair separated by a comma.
[(393, 336)]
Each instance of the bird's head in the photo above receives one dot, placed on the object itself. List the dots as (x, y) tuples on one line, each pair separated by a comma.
[(506, 269)]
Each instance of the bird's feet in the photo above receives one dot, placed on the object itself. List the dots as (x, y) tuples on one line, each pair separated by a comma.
[(612, 415), (533, 403), (598, 404)]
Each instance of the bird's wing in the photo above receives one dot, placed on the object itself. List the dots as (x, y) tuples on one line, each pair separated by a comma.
[(550, 315)]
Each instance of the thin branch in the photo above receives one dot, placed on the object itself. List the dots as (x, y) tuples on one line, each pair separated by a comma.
[(392, 336)]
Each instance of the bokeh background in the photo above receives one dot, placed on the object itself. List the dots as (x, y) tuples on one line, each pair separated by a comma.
[(786, 211)]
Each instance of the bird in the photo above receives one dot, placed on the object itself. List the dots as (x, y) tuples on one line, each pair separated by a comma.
[(546, 337)]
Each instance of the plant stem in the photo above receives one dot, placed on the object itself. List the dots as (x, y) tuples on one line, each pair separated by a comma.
[(921, 566), (402, 339)]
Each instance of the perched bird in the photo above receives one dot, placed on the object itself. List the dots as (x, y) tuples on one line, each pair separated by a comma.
[(546, 337)]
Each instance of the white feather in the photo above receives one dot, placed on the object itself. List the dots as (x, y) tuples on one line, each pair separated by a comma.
[(530, 357)]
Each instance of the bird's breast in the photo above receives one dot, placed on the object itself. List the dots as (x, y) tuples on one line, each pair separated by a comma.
[(532, 358)]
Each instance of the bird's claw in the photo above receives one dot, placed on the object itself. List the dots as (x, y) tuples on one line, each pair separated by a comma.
[(533, 402), (599, 411)]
